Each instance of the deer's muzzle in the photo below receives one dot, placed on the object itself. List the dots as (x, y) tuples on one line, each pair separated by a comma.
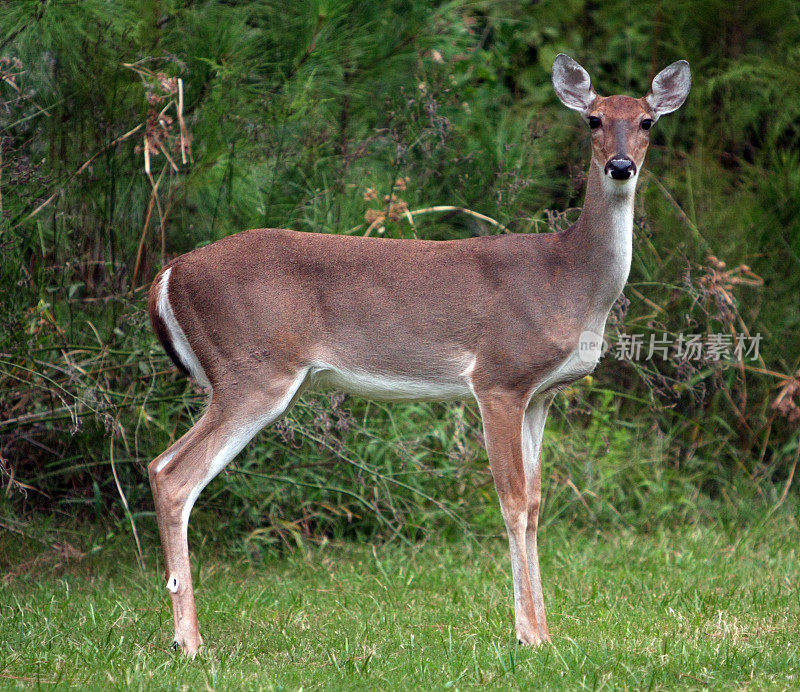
[(620, 168)]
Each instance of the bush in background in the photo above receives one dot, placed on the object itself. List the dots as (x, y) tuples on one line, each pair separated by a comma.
[(131, 132)]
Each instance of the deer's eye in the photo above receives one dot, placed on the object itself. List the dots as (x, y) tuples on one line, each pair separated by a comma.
[(594, 122), (647, 124)]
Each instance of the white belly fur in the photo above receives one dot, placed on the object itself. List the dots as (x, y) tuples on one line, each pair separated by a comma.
[(388, 388), (413, 387)]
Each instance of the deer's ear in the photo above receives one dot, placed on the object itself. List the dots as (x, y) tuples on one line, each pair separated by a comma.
[(670, 88), (572, 84)]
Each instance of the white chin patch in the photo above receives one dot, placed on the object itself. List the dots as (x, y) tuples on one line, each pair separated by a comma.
[(612, 185)]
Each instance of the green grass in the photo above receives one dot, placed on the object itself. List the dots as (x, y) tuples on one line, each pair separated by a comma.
[(688, 608)]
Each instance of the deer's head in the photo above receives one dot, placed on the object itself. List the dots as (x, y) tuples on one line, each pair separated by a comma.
[(620, 125)]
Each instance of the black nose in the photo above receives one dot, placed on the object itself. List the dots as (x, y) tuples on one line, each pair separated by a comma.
[(621, 168)]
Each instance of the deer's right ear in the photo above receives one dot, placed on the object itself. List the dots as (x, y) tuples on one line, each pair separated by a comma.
[(572, 84)]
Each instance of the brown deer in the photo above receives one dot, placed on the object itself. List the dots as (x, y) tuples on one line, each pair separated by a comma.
[(262, 315)]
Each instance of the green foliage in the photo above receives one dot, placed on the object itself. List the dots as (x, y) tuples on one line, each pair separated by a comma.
[(335, 117)]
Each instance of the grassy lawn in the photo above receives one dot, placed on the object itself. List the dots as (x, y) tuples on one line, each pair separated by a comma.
[(687, 608)]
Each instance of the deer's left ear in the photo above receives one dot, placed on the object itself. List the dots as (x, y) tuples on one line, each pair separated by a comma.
[(670, 88)]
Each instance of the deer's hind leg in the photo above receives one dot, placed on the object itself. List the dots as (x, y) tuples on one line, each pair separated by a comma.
[(179, 475)]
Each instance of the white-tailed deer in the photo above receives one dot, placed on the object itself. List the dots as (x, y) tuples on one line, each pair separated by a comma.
[(260, 316)]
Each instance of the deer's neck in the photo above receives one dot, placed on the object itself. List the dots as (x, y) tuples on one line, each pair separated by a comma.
[(603, 234)]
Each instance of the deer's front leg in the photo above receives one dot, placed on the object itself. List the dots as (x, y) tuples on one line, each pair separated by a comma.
[(502, 425), (532, 431)]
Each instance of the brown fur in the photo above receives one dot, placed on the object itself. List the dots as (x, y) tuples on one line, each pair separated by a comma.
[(387, 306)]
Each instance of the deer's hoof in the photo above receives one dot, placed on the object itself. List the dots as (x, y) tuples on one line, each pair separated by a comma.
[(528, 636), (545, 636), (188, 645)]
